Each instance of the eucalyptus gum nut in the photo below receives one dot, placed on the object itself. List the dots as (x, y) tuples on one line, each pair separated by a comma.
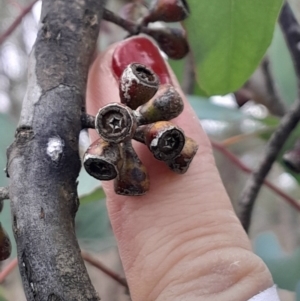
[(167, 11), (138, 84), (102, 160), (115, 123), (5, 245), (164, 139), (133, 178), (165, 105), (181, 163), (172, 41)]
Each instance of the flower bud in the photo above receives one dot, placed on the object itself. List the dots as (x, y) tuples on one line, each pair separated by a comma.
[(172, 41), (167, 11)]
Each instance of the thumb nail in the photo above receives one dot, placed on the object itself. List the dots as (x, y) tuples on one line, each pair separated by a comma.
[(140, 50)]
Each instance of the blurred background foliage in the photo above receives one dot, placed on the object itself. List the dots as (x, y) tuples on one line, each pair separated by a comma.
[(239, 124)]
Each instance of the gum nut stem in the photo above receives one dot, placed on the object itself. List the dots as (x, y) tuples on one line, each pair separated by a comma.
[(164, 139), (172, 41), (102, 160), (181, 163), (5, 245), (138, 84), (167, 11), (133, 178), (165, 105), (115, 122)]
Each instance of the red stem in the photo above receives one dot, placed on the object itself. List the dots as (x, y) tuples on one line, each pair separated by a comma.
[(8, 269), (98, 264), (17, 21), (234, 159)]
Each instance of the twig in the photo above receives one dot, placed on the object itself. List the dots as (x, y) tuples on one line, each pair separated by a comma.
[(235, 160), (4, 193), (274, 145), (238, 138), (17, 21), (129, 26), (8, 269), (291, 31), (290, 120), (188, 81), (87, 121), (98, 264), (43, 161)]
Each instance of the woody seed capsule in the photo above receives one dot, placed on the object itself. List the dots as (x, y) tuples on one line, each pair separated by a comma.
[(165, 105), (102, 160), (133, 178), (164, 139), (115, 123), (138, 84), (181, 163)]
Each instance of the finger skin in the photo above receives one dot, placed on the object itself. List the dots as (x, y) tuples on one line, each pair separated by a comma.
[(182, 240)]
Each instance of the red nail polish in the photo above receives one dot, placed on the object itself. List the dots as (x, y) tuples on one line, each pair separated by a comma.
[(140, 50)]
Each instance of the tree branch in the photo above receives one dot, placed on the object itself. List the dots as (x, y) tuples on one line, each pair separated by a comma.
[(17, 21), (87, 121), (235, 160), (44, 162), (290, 120)]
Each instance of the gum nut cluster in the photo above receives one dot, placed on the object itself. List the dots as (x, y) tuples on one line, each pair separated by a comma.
[(143, 115)]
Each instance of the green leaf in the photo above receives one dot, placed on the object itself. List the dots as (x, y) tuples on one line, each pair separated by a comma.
[(228, 39), (96, 195), (283, 68), (92, 225), (284, 267), (208, 110)]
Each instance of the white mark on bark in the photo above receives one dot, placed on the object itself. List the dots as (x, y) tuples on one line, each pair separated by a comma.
[(84, 142), (55, 148)]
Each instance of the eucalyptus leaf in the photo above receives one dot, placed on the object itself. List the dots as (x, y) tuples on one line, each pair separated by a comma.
[(284, 267), (205, 109), (95, 195), (282, 68), (228, 39)]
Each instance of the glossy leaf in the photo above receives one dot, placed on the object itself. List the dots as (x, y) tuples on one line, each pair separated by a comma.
[(228, 39)]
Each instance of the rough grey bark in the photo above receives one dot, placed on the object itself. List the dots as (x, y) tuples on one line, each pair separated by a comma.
[(43, 161)]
